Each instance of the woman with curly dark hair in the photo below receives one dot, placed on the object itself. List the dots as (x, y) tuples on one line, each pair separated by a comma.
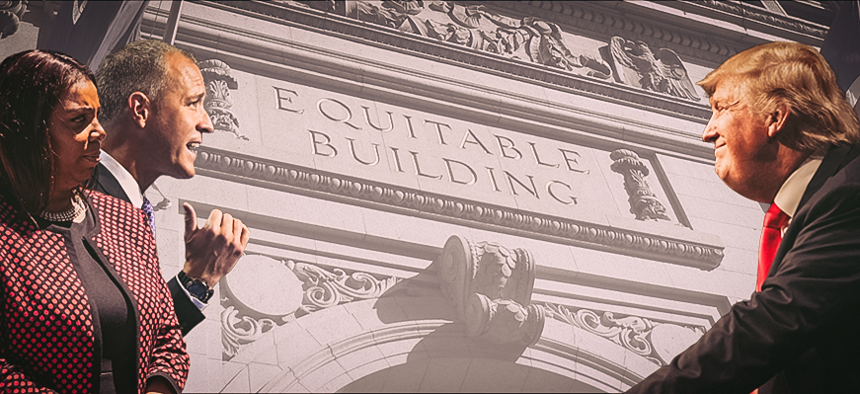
[(83, 306)]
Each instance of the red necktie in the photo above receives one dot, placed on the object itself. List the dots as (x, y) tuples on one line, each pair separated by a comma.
[(771, 233)]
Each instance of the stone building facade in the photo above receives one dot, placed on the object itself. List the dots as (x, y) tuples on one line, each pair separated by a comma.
[(462, 196)]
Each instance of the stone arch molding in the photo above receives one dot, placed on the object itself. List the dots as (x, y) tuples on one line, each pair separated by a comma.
[(349, 326), (335, 361)]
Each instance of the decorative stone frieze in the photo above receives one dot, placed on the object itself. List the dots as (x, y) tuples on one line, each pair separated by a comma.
[(238, 330), (747, 12), (324, 288), (476, 27), (262, 292), (656, 341), (219, 100), (643, 203), (635, 64), (490, 286), (517, 63), (239, 168), (587, 17)]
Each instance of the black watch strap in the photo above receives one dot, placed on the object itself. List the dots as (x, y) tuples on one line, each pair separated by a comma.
[(196, 287)]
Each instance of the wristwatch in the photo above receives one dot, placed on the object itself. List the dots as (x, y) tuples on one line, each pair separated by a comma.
[(196, 287)]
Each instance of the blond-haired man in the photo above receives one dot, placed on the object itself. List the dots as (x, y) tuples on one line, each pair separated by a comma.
[(784, 135)]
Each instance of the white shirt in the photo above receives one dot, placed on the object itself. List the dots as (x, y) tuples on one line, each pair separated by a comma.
[(789, 195), (126, 181), (132, 190)]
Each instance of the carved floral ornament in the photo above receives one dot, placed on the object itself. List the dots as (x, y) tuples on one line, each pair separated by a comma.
[(527, 39), (657, 342), (263, 292), (491, 286), (488, 285), (219, 101)]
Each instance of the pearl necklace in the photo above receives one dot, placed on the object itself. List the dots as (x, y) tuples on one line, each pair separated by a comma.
[(78, 206)]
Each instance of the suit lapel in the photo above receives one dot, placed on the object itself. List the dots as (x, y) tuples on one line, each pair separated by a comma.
[(833, 161), (836, 158), (107, 183)]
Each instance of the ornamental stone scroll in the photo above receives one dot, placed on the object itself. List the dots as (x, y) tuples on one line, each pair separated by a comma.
[(263, 292), (490, 287), (219, 101)]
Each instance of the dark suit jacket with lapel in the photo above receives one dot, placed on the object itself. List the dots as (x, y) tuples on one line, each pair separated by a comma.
[(797, 334), (187, 313)]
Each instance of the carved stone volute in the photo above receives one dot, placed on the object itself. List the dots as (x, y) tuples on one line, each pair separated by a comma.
[(490, 286)]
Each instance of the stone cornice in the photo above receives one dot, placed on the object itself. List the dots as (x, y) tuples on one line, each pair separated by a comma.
[(588, 18), (711, 42), (742, 10), (244, 169), (487, 62)]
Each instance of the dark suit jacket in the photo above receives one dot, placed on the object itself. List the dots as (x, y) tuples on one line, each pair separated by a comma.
[(797, 334), (188, 313)]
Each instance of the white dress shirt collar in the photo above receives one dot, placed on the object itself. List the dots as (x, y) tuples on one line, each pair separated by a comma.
[(789, 195), (128, 183)]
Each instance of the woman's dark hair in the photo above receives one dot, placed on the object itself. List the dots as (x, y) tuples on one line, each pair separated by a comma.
[(31, 84)]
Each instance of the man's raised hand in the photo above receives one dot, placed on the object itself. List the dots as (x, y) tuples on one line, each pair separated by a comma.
[(212, 250)]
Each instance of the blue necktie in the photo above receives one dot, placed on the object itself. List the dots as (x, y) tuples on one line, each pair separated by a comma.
[(150, 214)]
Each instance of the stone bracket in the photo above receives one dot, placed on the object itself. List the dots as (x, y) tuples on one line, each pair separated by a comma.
[(491, 286)]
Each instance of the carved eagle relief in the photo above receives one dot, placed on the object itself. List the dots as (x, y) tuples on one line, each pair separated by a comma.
[(636, 65)]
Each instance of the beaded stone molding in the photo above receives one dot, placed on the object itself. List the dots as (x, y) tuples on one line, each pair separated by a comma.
[(243, 169)]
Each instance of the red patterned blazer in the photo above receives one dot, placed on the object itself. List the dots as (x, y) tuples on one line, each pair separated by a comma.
[(47, 339)]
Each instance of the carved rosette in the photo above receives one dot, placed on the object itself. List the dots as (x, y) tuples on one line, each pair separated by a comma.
[(219, 101), (643, 203), (490, 286)]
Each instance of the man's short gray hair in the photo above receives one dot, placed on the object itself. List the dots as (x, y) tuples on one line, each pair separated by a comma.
[(137, 67)]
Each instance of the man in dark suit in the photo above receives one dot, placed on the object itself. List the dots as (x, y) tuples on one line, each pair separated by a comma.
[(784, 135), (152, 107)]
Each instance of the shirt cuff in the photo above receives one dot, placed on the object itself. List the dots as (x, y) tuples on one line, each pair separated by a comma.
[(199, 304)]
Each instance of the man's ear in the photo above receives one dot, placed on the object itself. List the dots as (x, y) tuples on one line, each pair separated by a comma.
[(775, 122), (141, 108)]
